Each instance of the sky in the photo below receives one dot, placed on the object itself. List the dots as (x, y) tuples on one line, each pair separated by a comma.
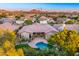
[(58, 6)]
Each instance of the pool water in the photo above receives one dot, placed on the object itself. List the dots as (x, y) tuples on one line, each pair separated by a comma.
[(41, 45)]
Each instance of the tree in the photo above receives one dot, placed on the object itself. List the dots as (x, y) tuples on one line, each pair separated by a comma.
[(7, 47), (75, 17), (7, 35), (22, 15), (51, 23), (53, 51), (28, 22), (3, 16), (70, 21), (62, 16), (20, 52), (17, 17), (9, 50), (67, 40), (37, 18)]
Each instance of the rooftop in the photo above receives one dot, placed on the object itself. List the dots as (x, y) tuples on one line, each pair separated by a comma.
[(38, 28), (8, 26)]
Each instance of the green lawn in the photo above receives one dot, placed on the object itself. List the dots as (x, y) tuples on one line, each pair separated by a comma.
[(22, 46)]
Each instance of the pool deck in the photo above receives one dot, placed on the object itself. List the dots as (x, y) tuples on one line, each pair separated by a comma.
[(35, 41)]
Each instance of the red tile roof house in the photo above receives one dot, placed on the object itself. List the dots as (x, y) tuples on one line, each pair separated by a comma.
[(37, 32)]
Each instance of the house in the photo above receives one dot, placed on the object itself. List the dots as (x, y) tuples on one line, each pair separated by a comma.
[(9, 27), (51, 20), (5, 20), (11, 17), (43, 20), (40, 19), (74, 15), (73, 27), (25, 19), (62, 20), (37, 30), (60, 27), (19, 22)]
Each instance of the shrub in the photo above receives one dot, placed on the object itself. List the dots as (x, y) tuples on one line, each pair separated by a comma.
[(70, 21), (22, 46), (28, 22), (7, 40), (67, 40)]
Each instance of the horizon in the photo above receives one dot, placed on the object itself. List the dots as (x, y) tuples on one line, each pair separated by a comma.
[(47, 6)]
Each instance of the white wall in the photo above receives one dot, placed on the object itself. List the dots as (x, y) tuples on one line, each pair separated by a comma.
[(43, 22), (19, 22), (25, 35), (48, 35)]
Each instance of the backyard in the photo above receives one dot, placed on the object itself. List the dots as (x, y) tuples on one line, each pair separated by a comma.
[(62, 43)]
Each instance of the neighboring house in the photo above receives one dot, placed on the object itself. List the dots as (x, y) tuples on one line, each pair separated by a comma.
[(25, 19), (37, 30), (78, 19), (73, 27), (1, 22), (22, 18), (68, 26), (75, 15), (43, 20), (5, 20), (34, 19), (51, 20), (68, 19), (68, 15), (9, 26), (62, 20), (19, 22), (59, 27), (11, 17)]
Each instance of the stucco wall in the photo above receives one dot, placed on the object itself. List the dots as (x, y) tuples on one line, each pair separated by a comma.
[(25, 35)]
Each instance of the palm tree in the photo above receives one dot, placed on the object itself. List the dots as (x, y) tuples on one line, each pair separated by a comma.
[(37, 18)]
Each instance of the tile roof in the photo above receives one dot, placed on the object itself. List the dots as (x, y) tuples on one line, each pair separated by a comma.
[(37, 28), (7, 20), (8, 26), (68, 26), (73, 27)]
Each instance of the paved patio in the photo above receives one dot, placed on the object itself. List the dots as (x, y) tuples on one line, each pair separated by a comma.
[(35, 41)]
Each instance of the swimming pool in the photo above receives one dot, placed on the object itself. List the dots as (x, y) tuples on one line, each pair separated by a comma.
[(41, 45)]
